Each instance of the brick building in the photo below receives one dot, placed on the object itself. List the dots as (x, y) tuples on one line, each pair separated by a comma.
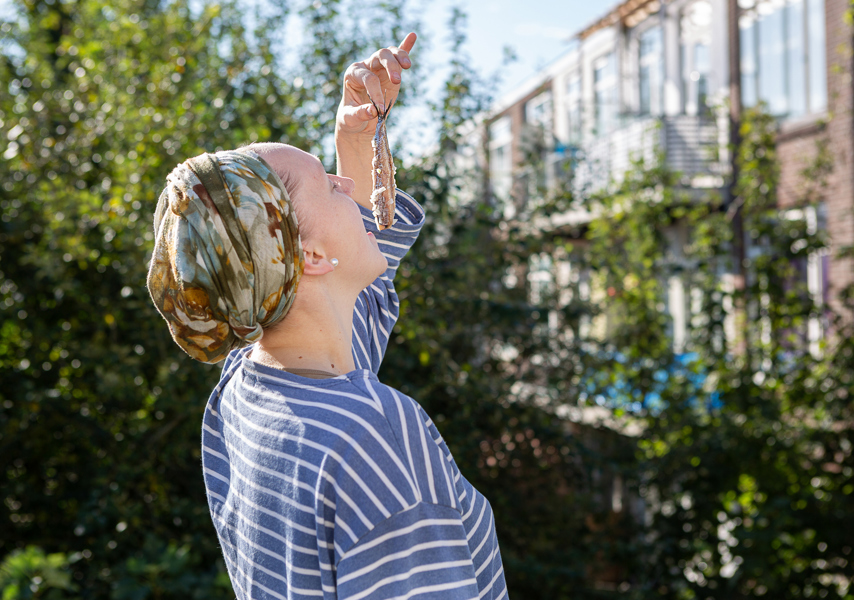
[(797, 145), (654, 75)]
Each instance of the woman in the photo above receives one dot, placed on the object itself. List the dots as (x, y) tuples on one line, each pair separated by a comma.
[(321, 480)]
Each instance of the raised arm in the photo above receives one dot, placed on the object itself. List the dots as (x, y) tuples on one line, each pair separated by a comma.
[(378, 307), (376, 79)]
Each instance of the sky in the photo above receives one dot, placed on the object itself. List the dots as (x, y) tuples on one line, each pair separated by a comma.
[(537, 30)]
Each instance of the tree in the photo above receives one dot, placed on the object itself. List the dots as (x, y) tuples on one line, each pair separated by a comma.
[(735, 482), (29, 573), (472, 348), (745, 464), (99, 411)]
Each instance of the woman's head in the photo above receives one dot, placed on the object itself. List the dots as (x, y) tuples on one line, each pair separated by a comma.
[(330, 222), (229, 256)]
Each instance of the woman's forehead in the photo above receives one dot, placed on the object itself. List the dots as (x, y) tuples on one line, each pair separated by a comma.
[(300, 163)]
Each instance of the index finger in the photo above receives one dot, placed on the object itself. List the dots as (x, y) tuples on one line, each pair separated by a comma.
[(408, 42)]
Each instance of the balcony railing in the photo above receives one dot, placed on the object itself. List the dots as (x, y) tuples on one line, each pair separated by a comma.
[(689, 145)]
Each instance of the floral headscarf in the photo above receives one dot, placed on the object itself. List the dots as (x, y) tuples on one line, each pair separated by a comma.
[(227, 253)]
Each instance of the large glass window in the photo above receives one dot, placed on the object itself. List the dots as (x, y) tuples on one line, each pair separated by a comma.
[(783, 56), (651, 66), (539, 116), (816, 55), (796, 59), (538, 111), (573, 101), (696, 39), (772, 63), (500, 158), (605, 92), (749, 70)]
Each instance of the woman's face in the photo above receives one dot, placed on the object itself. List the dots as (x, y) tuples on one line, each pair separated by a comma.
[(329, 219)]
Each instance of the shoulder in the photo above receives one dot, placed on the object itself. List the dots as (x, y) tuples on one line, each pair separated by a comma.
[(407, 415), (422, 446)]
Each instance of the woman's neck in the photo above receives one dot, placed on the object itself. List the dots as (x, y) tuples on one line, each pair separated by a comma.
[(317, 333)]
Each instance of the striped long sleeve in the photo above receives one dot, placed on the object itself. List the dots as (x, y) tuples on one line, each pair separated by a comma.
[(343, 488), (421, 551), (377, 307), (340, 488)]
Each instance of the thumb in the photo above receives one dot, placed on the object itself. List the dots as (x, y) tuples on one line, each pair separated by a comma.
[(353, 116)]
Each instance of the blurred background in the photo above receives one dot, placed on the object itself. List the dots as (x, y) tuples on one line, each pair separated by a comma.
[(630, 313)]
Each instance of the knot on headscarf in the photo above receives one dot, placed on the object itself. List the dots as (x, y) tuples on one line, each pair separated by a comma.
[(227, 253)]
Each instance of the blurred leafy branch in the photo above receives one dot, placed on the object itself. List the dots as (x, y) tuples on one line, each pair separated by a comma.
[(30, 573), (705, 473), (99, 415)]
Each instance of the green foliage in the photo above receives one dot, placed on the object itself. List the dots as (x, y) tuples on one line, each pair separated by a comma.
[(100, 411), (745, 462), (715, 474), (165, 570), (474, 351), (30, 573)]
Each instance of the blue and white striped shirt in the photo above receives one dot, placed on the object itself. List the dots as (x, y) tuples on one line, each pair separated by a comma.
[(343, 488)]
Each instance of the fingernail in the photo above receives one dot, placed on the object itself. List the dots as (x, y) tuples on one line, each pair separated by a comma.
[(395, 77)]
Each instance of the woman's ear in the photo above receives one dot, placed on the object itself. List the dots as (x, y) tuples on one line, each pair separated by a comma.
[(316, 262)]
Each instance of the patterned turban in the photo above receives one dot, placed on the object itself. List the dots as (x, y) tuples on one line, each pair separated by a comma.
[(227, 253)]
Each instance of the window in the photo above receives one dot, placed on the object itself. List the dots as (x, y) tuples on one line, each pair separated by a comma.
[(538, 111), (783, 56), (811, 272), (815, 56), (796, 51), (540, 278), (696, 39), (500, 159), (650, 70), (537, 141), (748, 63), (573, 101), (772, 63), (605, 93)]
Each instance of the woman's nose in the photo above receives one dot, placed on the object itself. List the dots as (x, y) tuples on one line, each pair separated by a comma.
[(349, 185)]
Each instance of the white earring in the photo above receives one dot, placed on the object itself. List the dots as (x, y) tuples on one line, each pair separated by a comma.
[(334, 262)]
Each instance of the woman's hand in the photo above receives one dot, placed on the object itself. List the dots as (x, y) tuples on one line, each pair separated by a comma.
[(378, 78)]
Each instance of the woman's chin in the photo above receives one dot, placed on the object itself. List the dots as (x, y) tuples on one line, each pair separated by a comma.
[(381, 267)]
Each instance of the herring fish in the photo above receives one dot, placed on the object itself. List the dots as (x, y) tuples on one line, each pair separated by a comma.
[(382, 173)]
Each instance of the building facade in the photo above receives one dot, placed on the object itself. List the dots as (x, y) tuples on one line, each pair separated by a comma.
[(655, 76)]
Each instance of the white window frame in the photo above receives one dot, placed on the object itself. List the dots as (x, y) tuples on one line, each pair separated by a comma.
[(655, 62), (693, 32), (814, 69), (500, 134), (606, 84), (574, 106), (539, 111)]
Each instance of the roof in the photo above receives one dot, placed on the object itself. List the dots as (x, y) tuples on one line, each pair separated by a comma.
[(629, 13)]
